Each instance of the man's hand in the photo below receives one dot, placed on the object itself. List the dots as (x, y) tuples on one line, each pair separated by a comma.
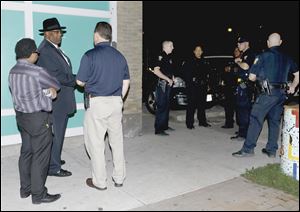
[(170, 82), (80, 83), (291, 89), (53, 93), (237, 60)]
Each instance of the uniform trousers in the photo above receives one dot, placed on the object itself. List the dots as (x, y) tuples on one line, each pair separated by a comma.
[(270, 107)]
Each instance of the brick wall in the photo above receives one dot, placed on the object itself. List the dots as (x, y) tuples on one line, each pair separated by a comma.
[(129, 42)]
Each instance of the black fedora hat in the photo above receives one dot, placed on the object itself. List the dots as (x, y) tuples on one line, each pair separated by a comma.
[(51, 24)]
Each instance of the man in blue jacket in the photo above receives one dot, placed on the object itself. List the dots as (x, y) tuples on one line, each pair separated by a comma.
[(54, 60)]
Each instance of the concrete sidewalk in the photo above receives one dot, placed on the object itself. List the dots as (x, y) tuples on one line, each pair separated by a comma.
[(159, 171)]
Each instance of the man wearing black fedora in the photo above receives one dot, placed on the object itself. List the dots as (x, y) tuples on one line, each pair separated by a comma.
[(55, 61)]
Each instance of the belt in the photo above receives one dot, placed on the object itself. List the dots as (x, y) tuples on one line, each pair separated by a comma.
[(278, 86)]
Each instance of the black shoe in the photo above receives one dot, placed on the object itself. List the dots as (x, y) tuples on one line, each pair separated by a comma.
[(61, 173), (170, 129), (62, 162), (117, 184), (204, 125), (25, 194), (90, 183), (190, 127), (243, 154), (238, 138), (47, 199), (162, 133), (270, 155), (227, 126)]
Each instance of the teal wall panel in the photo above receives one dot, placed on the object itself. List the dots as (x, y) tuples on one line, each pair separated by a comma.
[(77, 40), (9, 125), (95, 5), (12, 29), (76, 120)]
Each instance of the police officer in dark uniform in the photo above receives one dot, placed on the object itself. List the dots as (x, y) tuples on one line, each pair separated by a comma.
[(229, 82), (244, 95), (196, 72), (164, 69), (271, 69)]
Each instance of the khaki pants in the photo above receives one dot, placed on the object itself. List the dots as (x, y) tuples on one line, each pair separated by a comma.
[(104, 115)]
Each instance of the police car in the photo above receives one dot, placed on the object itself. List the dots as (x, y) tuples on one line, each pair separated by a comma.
[(178, 99)]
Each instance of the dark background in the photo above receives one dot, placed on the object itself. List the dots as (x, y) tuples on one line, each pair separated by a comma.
[(206, 22)]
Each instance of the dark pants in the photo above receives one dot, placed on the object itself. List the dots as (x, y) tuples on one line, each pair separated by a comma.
[(196, 99), (270, 107), (243, 109), (229, 106), (35, 129), (59, 128), (163, 108)]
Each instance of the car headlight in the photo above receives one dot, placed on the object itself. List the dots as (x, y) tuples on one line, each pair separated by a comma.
[(178, 83)]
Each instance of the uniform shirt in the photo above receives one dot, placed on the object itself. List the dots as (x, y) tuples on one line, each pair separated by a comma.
[(103, 69), (247, 57), (274, 66), (196, 71), (26, 82), (165, 62)]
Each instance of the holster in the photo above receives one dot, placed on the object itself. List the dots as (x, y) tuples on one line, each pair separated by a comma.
[(162, 84), (265, 87), (86, 98)]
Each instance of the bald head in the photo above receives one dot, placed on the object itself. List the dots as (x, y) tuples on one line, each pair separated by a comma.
[(274, 40)]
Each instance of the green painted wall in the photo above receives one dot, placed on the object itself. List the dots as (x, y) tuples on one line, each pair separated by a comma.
[(77, 40)]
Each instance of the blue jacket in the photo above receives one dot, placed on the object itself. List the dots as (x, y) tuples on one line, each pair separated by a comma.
[(52, 60)]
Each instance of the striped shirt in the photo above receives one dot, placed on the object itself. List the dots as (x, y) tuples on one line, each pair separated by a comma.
[(26, 83)]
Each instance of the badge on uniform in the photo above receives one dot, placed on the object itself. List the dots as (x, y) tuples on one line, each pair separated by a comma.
[(255, 61), (160, 58)]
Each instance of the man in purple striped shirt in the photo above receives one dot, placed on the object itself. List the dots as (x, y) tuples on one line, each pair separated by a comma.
[(32, 90)]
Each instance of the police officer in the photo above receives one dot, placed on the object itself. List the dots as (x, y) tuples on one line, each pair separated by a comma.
[(196, 72), (244, 95), (164, 69), (271, 69), (230, 82)]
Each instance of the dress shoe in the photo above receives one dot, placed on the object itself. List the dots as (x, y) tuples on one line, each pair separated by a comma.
[(117, 184), (238, 138), (162, 133), (270, 155), (62, 162), (227, 126), (190, 127), (90, 183), (61, 173), (204, 125), (47, 199), (170, 129), (241, 154), (25, 194)]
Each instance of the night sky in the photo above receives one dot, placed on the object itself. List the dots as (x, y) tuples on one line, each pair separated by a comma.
[(206, 22)]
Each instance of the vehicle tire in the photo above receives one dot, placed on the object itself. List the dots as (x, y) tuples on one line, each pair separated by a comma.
[(150, 102)]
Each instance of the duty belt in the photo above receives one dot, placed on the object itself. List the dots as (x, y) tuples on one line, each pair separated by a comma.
[(278, 86)]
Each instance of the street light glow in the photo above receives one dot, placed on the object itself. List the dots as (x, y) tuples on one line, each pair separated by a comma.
[(229, 29)]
